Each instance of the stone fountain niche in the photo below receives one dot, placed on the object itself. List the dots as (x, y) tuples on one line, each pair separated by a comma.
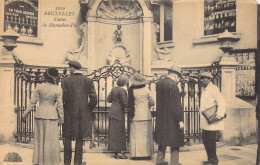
[(115, 31), (119, 34)]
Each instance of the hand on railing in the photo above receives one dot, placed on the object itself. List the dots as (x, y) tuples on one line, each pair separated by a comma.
[(24, 117), (181, 124), (151, 108)]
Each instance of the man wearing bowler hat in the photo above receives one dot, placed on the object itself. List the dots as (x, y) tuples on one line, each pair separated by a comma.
[(79, 100), (169, 117), (211, 97)]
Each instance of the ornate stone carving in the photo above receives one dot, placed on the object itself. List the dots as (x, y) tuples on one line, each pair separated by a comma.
[(156, 2), (75, 54), (118, 34), (163, 53), (111, 9), (120, 53)]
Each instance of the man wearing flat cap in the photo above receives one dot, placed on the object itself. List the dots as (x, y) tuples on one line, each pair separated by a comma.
[(169, 117), (210, 97), (79, 100)]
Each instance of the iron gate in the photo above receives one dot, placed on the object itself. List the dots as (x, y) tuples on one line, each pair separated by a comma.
[(27, 77)]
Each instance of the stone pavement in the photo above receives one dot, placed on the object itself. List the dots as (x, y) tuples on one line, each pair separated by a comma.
[(189, 155)]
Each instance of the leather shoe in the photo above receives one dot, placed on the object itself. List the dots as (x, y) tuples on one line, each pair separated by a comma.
[(163, 163), (209, 163), (204, 162)]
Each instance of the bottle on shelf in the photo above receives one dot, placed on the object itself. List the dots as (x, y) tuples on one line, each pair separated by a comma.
[(217, 15), (16, 28), (30, 31), (23, 30)]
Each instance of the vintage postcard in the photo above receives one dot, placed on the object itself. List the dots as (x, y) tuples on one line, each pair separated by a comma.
[(125, 82)]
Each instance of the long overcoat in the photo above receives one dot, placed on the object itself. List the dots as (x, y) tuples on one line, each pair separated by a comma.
[(79, 100), (168, 114)]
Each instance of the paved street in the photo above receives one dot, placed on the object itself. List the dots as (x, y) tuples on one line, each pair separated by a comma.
[(228, 155)]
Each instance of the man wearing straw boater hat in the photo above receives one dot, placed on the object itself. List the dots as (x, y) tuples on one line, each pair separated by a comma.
[(79, 100), (169, 117), (211, 97)]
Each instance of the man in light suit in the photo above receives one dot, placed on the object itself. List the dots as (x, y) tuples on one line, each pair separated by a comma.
[(211, 96), (79, 100)]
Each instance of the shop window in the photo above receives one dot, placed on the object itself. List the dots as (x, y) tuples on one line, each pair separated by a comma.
[(245, 72), (163, 19), (219, 15), (22, 16)]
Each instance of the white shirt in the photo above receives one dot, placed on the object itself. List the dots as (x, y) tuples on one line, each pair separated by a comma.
[(211, 96)]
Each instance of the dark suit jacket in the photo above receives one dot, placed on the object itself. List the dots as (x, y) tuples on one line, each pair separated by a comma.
[(257, 110), (168, 114), (79, 99)]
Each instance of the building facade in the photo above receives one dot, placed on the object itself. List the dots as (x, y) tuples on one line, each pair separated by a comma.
[(148, 35)]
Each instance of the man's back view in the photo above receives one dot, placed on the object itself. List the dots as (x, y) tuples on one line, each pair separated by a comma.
[(79, 99)]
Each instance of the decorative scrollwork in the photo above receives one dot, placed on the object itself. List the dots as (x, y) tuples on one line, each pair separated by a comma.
[(215, 70), (114, 70), (120, 53), (30, 75), (118, 9), (76, 54)]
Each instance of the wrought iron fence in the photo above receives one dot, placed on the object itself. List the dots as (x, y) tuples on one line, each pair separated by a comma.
[(27, 77)]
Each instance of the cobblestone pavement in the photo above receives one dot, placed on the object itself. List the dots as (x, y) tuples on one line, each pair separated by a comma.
[(194, 155)]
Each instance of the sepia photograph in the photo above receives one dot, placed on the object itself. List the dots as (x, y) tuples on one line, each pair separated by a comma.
[(129, 82)]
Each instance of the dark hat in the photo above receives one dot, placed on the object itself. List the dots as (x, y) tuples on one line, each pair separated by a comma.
[(175, 69), (51, 75), (138, 79), (51, 72), (206, 74), (122, 80), (75, 64)]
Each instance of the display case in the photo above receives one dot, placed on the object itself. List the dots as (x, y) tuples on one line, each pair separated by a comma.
[(22, 16), (218, 16), (245, 73)]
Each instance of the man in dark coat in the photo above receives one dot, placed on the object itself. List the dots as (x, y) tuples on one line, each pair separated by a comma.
[(169, 117), (79, 99), (258, 118)]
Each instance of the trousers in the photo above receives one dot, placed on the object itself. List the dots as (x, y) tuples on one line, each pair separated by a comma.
[(174, 155), (209, 141), (258, 146), (68, 151)]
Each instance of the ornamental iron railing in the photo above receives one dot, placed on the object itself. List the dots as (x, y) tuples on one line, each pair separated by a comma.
[(27, 77)]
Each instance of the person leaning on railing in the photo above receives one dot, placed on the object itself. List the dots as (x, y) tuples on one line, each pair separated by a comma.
[(47, 118), (116, 114)]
